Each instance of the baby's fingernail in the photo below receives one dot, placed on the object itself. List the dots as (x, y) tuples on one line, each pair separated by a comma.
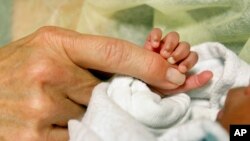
[(155, 40), (171, 60), (175, 76)]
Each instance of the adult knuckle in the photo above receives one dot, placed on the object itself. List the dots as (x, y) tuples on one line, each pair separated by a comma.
[(30, 135), (39, 71), (114, 53), (46, 34), (40, 103), (39, 106), (110, 49), (46, 30)]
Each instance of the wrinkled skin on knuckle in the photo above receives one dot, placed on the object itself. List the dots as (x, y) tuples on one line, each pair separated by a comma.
[(47, 37), (26, 104), (23, 116), (42, 72), (26, 91), (29, 134), (23, 88), (40, 107), (46, 71), (44, 33), (54, 40), (114, 53)]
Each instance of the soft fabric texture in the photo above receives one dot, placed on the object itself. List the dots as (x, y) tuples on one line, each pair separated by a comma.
[(146, 106), (126, 109), (106, 121)]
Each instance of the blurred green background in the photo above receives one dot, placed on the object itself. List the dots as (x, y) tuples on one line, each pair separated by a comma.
[(5, 24), (197, 21)]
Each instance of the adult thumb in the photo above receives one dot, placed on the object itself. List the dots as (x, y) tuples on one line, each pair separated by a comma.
[(117, 56)]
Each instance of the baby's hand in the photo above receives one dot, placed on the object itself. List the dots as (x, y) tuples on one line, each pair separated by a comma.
[(172, 49), (179, 55)]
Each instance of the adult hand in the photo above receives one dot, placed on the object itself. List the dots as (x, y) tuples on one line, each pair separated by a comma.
[(44, 80)]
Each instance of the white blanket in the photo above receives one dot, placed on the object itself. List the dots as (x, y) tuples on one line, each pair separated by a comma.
[(126, 109)]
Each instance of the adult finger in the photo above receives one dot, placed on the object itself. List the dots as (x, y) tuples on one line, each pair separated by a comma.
[(115, 56)]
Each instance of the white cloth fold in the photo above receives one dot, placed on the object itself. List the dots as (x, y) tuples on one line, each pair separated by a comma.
[(105, 121), (146, 106), (229, 71), (126, 109)]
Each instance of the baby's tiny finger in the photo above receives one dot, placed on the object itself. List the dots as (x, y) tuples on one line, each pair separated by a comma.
[(189, 62), (155, 37), (180, 53), (171, 40)]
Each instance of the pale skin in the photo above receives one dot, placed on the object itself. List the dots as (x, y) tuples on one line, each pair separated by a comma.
[(44, 79)]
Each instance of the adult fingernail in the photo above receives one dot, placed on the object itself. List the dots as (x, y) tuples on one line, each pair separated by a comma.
[(175, 76), (171, 60)]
